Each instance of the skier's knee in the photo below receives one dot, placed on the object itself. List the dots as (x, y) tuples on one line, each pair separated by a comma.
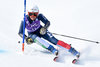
[(33, 37)]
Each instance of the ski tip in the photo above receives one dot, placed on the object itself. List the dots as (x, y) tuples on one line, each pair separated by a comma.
[(55, 59), (74, 61)]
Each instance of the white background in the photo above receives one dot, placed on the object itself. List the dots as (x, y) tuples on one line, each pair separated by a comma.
[(78, 18)]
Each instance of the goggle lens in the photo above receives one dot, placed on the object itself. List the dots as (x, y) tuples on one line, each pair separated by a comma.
[(35, 14)]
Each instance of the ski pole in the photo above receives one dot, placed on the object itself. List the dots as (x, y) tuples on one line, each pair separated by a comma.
[(77, 38)]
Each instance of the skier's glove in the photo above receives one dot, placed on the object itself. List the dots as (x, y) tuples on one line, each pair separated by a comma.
[(21, 35), (43, 30), (29, 40)]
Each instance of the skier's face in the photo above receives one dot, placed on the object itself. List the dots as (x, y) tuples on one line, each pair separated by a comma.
[(32, 15)]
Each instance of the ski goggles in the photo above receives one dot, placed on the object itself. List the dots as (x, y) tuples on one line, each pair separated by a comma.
[(31, 13)]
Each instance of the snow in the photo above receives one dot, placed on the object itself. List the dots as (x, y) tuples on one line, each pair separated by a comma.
[(78, 18)]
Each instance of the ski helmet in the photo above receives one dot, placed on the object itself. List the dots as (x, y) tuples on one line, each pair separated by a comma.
[(34, 10)]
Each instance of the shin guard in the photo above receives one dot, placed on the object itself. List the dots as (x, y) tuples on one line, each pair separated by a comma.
[(63, 44)]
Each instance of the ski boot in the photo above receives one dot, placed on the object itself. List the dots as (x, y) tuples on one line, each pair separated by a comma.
[(56, 53), (75, 53), (53, 50)]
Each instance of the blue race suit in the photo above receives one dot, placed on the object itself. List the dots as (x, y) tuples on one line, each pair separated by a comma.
[(33, 29), (48, 36)]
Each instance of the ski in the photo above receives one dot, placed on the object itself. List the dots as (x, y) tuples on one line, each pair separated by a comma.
[(76, 60), (55, 59)]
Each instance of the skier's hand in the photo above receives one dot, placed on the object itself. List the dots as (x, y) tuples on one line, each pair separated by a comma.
[(43, 31), (29, 40)]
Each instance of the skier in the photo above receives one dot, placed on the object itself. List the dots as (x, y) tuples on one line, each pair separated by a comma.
[(37, 31)]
